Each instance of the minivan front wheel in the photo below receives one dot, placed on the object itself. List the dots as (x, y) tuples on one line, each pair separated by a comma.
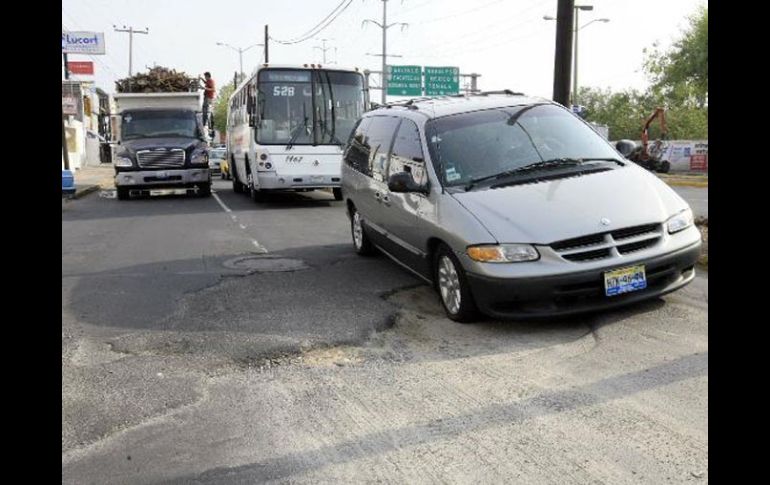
[(453, 288), (360, 242)]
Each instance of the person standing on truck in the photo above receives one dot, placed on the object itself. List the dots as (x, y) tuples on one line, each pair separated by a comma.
[(208, 95)]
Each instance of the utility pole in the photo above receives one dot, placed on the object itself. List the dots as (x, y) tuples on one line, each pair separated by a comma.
[(131, 31), (384, 26), (267, 37), (64, 150), (563, 56), (324, 48), (66, 66), (474, 82)]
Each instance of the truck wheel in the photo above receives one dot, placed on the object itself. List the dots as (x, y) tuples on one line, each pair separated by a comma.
[(123, 193), (204, 190), (337, 193)]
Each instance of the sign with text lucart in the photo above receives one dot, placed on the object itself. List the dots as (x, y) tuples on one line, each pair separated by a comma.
[(82, 42)]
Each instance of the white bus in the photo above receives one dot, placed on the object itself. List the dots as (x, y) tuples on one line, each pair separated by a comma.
[(287, 127)]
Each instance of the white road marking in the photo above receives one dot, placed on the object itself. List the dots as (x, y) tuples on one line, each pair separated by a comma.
[(227, 209), (256, 244)]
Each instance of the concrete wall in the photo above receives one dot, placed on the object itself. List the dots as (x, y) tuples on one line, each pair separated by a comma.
[(685, 155)]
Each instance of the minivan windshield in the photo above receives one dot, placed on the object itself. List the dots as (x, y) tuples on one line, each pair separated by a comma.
[(478, 145)]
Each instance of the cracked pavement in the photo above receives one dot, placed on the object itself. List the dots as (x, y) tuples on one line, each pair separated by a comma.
[(179, 369)]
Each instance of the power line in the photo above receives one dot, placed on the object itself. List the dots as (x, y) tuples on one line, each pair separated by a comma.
[(475, 9), (310, 34)]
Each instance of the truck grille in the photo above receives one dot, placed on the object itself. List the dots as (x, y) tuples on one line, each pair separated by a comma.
[(609, 244), (160, 158)]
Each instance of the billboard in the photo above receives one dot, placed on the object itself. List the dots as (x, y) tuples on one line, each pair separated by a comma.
[(81, 67), (82, 42)]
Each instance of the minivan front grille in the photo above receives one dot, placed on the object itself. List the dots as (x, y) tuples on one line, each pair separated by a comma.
[(604, 245), (160, 158)]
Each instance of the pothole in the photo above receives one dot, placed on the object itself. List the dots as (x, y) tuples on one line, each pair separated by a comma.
[(265, 264)]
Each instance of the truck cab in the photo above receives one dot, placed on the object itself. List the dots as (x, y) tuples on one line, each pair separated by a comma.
[(162, 145)]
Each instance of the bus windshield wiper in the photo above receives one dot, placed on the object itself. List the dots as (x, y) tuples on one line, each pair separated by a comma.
[(295, 135)]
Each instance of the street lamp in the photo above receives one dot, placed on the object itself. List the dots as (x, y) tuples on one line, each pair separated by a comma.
[(575, 30), (240, 51)]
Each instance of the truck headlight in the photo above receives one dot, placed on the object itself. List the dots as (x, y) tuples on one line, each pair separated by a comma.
[(123, 162), (503, 253), (199, 158), (680, 221)]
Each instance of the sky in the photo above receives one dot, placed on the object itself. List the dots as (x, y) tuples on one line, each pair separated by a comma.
[(506, 41)]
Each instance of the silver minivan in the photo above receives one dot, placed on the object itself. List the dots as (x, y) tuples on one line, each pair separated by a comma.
[(513, 206)]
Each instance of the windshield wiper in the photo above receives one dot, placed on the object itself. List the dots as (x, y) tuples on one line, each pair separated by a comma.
[(526, 168), (296, 133), (553, 162)]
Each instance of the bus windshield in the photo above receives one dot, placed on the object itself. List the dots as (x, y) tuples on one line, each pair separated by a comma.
[(307, 107)]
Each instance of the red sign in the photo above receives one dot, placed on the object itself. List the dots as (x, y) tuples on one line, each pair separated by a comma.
[(81, 67), (699, 162)]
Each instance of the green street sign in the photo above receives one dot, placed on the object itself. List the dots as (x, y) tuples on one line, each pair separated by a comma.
[(441, 80), (404, 80)]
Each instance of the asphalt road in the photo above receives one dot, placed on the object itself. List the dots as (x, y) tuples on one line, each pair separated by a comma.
[(234, 342), (697, 197)]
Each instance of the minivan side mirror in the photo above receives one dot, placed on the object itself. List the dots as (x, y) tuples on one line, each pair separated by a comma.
[(625, 147), (404, 182)]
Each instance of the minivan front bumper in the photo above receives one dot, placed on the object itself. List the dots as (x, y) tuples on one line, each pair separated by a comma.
[(578, 292)]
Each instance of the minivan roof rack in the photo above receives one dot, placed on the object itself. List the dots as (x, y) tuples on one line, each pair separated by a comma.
[(502, 91), (408, 103)]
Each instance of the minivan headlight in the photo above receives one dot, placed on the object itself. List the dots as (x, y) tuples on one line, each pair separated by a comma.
[(680, 221), (123, 162), (503, 253)]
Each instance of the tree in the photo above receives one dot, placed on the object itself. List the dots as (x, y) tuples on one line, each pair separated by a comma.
[(625, 113), (681, 74), (220, 107)]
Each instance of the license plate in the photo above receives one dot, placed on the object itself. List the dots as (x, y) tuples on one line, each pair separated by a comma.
[(161, 175), (625, 280), (317, 178), (162, 192)]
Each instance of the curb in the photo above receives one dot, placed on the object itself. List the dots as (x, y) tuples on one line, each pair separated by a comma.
[(697, 185), (84, 191)]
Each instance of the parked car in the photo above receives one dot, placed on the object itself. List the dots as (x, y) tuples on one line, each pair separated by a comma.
[(513, 206), (216, 157), (67, 183)]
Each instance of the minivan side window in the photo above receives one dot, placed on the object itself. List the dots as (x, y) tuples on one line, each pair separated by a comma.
[(358, 149), (407, 153), (380, 136)]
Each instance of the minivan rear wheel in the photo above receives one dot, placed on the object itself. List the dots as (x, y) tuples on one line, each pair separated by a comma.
[(452, 285), (361, 242)]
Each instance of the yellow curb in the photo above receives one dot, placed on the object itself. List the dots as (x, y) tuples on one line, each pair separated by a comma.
[(700, 185)]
